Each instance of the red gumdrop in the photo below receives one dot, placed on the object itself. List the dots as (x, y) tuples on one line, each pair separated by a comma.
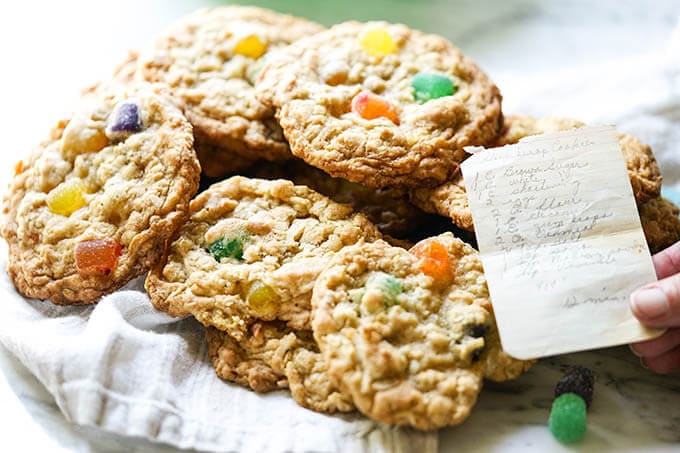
[(97, 257)]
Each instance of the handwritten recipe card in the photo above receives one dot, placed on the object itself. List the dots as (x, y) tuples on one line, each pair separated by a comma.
[(560, 240)]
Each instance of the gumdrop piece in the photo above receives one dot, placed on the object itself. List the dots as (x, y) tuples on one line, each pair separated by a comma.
[(262, 299), (227, 248), (370, 106), (126, 118), (97, 257), (433, 260), (567, 421), (431, 86), (18, 167), (378, 42), (389, 286), (67, 197), (579, 380), (250, 46)]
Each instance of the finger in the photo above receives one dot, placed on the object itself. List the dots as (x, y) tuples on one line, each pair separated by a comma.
[(658, 346), (667, 262), (658, 304), (666, 363)]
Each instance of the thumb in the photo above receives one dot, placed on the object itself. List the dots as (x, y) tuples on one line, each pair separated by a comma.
[(658, 304)]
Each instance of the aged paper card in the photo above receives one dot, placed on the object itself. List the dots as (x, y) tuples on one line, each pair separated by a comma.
[(560, 240)]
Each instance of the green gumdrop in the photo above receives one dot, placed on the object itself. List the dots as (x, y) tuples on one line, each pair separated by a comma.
[(567, 421), (389, 286), (431, 86), (227, 247)]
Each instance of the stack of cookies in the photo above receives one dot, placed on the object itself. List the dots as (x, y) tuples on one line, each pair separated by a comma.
[(326, 252)]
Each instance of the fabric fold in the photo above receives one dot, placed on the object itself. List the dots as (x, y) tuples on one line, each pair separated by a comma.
[(124, 367)]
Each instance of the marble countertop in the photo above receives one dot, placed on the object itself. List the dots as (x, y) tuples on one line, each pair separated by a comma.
[(55, 48)]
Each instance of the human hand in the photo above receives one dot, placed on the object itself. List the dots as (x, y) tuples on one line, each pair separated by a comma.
[(658, 305)]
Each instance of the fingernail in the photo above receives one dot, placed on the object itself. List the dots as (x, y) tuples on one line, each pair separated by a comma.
[(650, 302), (643, 364), (630, 346)]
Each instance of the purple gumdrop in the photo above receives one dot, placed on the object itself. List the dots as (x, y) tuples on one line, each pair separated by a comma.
[(127, 118)]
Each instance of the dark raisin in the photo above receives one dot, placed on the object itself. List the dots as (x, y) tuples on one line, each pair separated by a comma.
[(477, 353), (477, 330)]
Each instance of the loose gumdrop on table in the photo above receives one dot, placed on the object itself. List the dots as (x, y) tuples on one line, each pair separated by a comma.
[(67, 197), (433, 260), (251, 46), (431, 86), (578, 380), (370, 106), (97, 256), (262, 299), (567, 421), (378, 42)]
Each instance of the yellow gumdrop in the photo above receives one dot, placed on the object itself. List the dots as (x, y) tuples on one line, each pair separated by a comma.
[(250, 46), (67, 197), (378, 42), (262, 299)]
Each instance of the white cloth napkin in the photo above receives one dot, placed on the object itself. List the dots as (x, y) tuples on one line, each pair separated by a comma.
[(124, 367)]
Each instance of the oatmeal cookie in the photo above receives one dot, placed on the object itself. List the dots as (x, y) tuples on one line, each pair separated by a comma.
[(94, 205), (660, 223), (403, 333), (272, 356), (252, 249), (380, 104), (450, 199), (218, 162), (210, 59), (388, 209), (248, 362)]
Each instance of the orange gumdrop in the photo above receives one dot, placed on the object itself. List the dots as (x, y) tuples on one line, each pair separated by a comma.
[(433, 260), (370, 106), (97, 257), (19, 167)]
